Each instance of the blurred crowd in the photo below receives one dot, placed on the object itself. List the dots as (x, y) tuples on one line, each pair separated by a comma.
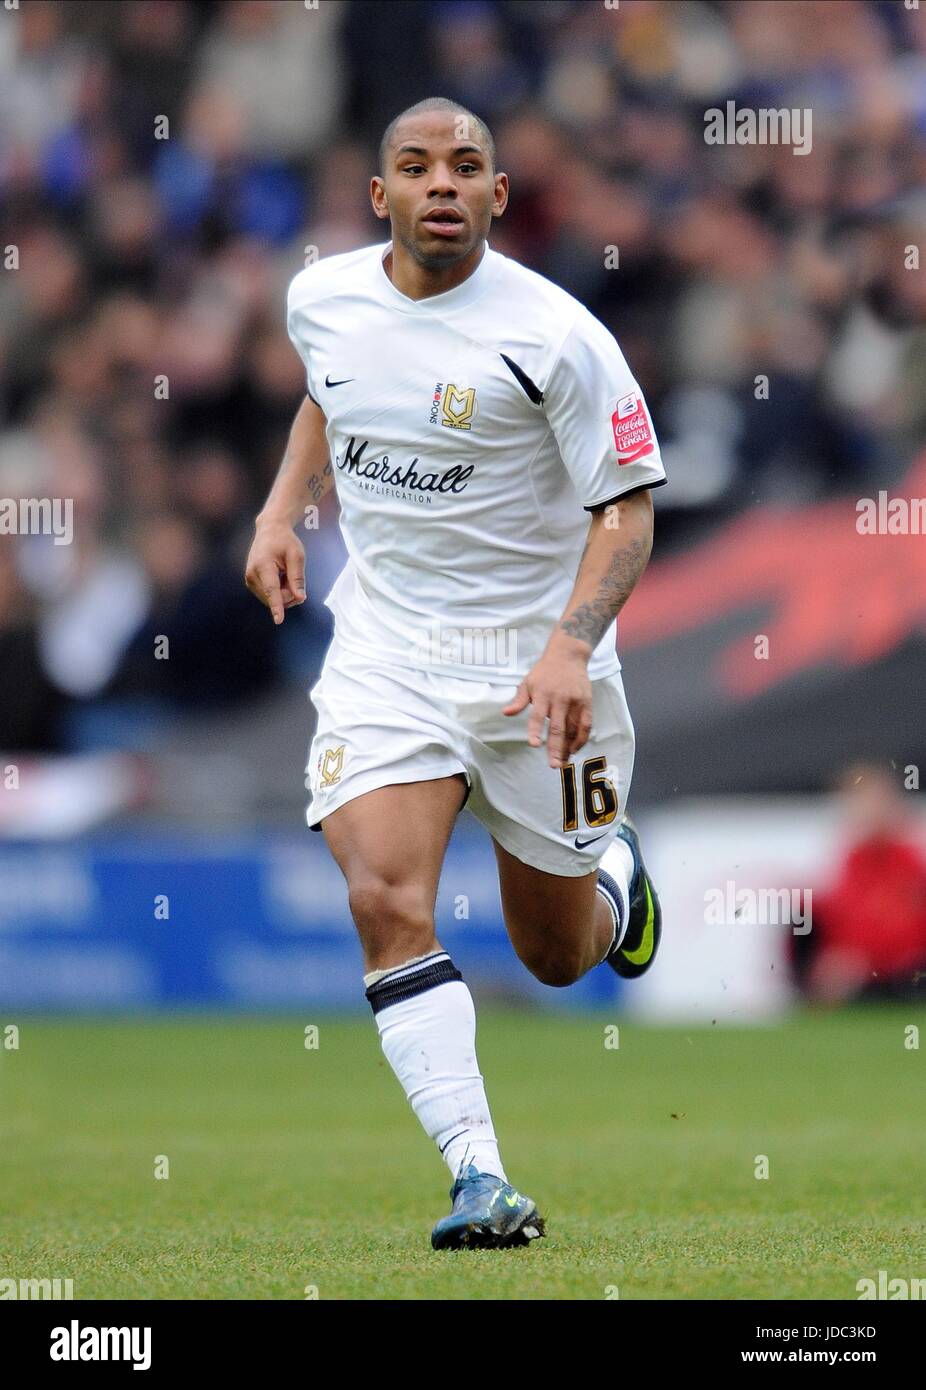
[(166, 166)]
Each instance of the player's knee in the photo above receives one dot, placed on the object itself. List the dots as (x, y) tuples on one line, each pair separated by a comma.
[(558, 967), (389, 915)]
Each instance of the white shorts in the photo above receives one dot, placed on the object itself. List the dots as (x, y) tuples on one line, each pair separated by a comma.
[(379, 725)]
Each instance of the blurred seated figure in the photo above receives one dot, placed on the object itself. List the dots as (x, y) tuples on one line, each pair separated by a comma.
[(216, 652), (869, 927)]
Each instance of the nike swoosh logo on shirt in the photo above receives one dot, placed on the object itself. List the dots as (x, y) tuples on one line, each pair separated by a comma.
[(329, 382)]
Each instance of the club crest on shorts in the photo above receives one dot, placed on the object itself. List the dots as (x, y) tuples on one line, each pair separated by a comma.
[(330, 766)]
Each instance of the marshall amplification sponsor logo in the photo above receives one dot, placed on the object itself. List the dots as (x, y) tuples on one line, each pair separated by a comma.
[(330, 766), (410, 479)]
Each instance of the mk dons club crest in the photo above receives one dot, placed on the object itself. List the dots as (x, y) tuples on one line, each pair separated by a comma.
[(330, 766), (456, 408)]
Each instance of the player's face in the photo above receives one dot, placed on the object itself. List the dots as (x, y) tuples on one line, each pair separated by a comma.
[(439, 190)]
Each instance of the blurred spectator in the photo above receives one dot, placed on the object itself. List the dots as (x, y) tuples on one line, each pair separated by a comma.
[(280, 66), (29, 703), (200, 644), (868, 938)]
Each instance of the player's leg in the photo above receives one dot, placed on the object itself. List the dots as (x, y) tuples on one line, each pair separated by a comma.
[(574, 889), (560, 927), (390, 844), (386, 770)]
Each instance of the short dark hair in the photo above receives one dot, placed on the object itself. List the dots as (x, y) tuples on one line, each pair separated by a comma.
[(435, 104)]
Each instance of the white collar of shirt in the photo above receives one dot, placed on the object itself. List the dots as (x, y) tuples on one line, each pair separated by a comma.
[(465, 293)]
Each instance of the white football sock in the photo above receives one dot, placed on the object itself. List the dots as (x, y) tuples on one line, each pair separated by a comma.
[(427, 1027), (375, 975), (617, 863)]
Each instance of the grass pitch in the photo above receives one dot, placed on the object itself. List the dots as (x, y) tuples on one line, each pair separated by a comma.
[(294, 1170)]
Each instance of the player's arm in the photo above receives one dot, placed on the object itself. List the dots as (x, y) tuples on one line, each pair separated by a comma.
[(608, 446), (620, 539), (275, 570), (619, 544)]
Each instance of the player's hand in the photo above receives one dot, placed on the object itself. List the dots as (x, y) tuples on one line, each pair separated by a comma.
[(275, 570), (557, 688)]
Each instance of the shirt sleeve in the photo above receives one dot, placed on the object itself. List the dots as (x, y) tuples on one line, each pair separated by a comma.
[(599, 418), (298, 326)]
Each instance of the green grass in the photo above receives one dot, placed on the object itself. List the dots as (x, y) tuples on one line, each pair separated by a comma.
[(291, 1167)]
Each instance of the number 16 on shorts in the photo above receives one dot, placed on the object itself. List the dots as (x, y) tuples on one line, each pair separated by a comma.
[(598, 794)]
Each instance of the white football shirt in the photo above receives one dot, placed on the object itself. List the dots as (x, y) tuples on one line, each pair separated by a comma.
[(470, 435)]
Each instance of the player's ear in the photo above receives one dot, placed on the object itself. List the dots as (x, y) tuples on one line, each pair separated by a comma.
[(378, 197), (501, 195)]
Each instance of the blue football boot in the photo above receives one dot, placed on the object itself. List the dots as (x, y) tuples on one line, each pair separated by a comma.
[(487, 1214)]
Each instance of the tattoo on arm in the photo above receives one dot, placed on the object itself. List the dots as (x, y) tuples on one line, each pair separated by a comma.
[(591, 620), (316, 484)]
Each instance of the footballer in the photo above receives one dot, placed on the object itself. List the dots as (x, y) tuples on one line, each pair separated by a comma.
[(494, 460)]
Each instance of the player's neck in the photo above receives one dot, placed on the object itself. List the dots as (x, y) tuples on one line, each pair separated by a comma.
[(420, 282)]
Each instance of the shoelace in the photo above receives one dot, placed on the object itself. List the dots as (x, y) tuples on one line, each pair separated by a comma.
[(464, 1164)]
